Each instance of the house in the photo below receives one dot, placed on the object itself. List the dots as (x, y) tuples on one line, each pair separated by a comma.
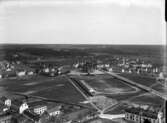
[(30, 73), (55, 111), (3, 109), (5, 101), (38, 107), (46, 70), (21, 73), (4, 116), (19, 105)]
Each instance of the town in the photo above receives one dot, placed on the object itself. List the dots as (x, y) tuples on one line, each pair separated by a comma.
[(91, 76)]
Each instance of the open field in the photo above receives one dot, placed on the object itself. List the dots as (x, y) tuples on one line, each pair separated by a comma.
[(57, 88), (145, 80), (149, 99), (106, 84), (161, 88), (140, 98)]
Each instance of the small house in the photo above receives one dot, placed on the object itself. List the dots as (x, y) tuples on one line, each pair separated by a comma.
[(5, 101), (19, 105), (55, 111)]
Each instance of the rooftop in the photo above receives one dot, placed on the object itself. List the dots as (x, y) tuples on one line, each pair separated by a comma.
[(31, 115), (142, 112), (3, 98), (37, 104), (56, 108)]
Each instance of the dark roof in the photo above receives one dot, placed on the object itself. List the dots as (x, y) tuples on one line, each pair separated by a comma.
[(150, 114), (16, 103), (5, 115), (31, 115), (133, 110), (3, 98), (37, 104), (56, 108), (142, 112)]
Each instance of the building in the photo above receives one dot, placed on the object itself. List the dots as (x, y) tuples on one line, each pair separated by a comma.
[(5, 101), (19, 105), (55, 111), (139, 115), (38, 107), (31, 116), (5, 118), (21, 73)]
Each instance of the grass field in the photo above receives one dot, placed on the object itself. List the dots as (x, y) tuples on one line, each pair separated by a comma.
[(145, 80), (149, 99), (54, 88), (161, 88)]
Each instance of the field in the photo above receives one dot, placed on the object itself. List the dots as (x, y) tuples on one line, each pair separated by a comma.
[(161, 88), (144, 80), (106, 84), (147, 81), (57, 88), (149, 99)]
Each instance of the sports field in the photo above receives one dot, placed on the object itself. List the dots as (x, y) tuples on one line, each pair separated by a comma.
[(106, 84)]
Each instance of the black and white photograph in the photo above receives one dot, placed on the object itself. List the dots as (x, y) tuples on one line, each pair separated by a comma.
[(83, 61)]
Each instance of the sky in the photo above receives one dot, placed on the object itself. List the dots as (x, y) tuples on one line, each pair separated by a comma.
[(82, 21)]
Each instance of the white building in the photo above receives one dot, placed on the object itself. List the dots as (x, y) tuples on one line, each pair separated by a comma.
[(19, 105), (23, 107), (54, 111), (46, 70), (5, 101), (30, 73), (40, 109), (21, 73)]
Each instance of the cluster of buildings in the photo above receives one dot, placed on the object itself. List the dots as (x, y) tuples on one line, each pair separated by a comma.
[(86, 66), (145, 114), (162, 78), (54, 70), (137, 66), (12, 69), (21, 70), (29, 110), (23, 110), (119, 65)]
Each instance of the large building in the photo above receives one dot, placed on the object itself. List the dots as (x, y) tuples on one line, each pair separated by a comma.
[(5, 118), (139, 115), (38, 107)]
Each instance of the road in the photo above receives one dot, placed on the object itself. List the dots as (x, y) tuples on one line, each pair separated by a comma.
[(148, 89)]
